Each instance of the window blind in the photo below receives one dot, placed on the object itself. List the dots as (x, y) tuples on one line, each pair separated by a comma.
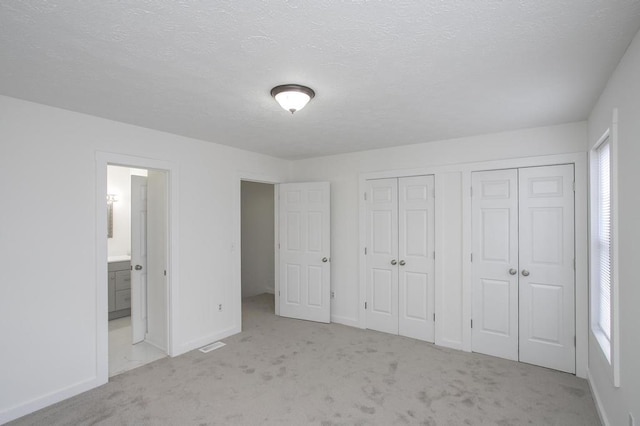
[(604, 238)]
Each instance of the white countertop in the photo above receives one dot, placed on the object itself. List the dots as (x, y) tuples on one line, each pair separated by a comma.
[(120, 258)]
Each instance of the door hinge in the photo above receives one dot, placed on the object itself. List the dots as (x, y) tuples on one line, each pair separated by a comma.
[(278, 292), (365, 305), (471, 323), (365, 250), (471, 257), (574, 263), (471, 191), (574, 186), (365, 196), (434, 254), (434, 317), (278, 246), (574, 341), (165, 272)]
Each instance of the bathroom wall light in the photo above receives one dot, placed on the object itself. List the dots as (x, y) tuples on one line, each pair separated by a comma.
[(111, 198), (292, 97)]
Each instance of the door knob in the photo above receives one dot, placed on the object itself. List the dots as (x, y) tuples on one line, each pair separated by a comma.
[(525, 273), (138, 267), (325, 260), (394, 262), (402, 263), (513, 271)]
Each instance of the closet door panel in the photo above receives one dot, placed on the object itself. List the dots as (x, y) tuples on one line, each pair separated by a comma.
[(547, 316), (382, 247), (416, 251), (495, 263)]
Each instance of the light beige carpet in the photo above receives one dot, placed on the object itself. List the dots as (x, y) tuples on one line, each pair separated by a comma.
[(284, 371)]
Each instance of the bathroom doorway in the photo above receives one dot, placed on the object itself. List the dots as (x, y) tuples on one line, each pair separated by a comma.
[(137, 291)]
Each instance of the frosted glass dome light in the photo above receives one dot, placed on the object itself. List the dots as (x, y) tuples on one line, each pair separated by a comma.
[(292, 97)]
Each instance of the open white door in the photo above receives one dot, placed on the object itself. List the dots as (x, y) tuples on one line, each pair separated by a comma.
[(305, 251), (138, 258), (157, 256)]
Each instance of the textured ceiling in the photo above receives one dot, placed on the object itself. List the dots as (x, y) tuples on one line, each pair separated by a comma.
[(386, 73)]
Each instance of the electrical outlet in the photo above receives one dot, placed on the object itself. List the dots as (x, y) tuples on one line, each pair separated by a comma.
[(333, 294), (220, 307)]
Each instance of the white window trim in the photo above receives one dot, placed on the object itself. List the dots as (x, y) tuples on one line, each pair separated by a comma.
[(609, 346), (596, 253)]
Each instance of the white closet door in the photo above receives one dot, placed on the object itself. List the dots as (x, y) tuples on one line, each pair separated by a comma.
[(495, 263), (382, 255), (547, 326), (416, 257), (305, 250)]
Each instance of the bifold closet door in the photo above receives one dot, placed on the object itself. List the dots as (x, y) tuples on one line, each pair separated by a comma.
[(547, 311), (523, 265), (400, 256), (495, 263), (416, 257), (382, 255)]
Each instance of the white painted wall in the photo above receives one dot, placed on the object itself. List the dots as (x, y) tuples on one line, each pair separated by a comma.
[(622, 92), (257, 238), (343, 171), (48, 248)]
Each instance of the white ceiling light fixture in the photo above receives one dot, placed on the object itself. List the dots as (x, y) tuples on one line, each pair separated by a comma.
[(292, 97)]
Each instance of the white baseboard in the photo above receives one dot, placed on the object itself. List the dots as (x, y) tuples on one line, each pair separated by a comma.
[(48, 399), (351, 322), (202, 341), (598, 401), (35, 404)]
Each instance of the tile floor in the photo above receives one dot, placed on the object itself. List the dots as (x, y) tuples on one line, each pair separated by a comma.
[(123, 356)]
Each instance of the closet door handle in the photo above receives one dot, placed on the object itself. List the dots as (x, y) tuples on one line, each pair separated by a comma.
[(394, 262), (525, 273), (402, 263), (513, 271)]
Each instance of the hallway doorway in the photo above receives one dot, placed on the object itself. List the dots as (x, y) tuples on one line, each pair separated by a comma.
[(257, 223)]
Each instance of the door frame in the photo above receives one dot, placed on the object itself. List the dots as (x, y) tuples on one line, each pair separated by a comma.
[(104, 159), (578, 159), (236, 245)]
